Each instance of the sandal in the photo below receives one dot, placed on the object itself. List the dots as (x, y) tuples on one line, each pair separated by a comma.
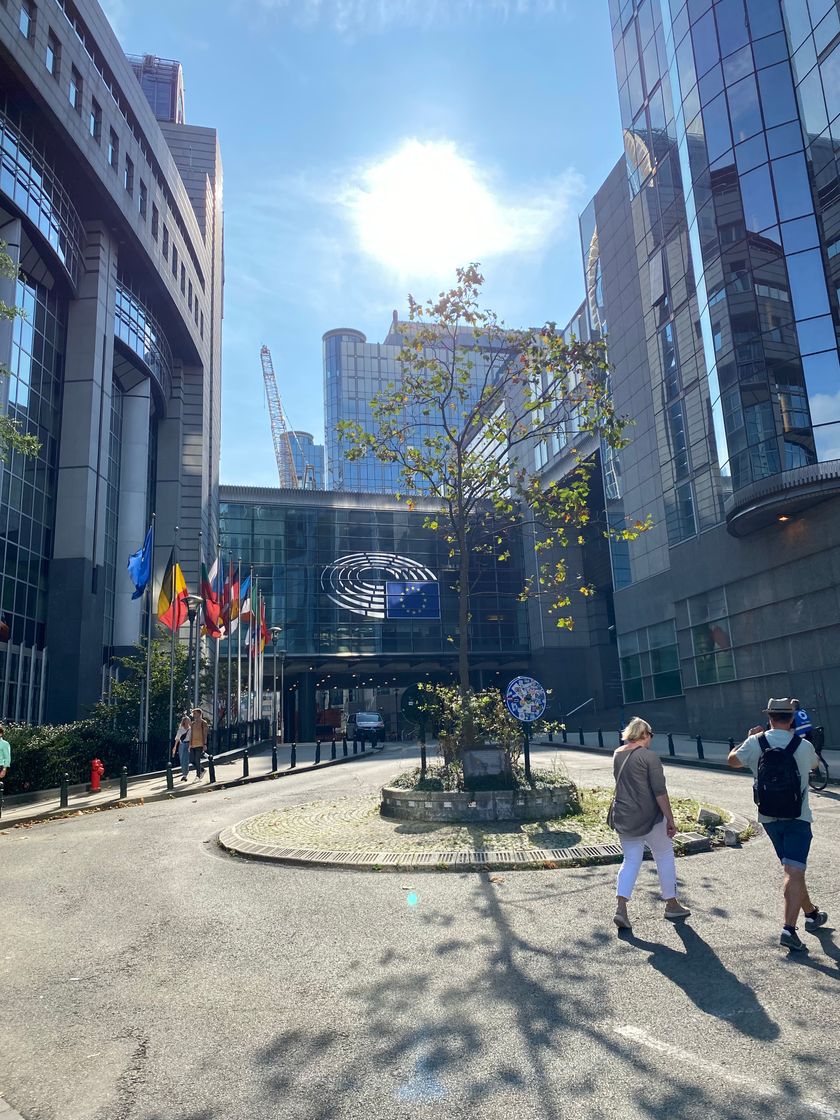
[(621, 920)]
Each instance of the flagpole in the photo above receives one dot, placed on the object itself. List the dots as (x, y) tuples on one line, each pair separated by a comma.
[(198, 627), (215, 724), (229, 640), (259, 663), (239, 643), (172, 642), (250, 644), (149, 604)]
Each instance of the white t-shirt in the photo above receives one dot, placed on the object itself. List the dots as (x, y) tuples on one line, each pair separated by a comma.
[(749, 753)]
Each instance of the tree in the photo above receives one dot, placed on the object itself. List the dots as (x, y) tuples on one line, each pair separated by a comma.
[(11, 438), (122, 714), (461, 425)]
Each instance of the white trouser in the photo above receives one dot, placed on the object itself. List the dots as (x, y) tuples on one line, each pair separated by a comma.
[(662, 850)]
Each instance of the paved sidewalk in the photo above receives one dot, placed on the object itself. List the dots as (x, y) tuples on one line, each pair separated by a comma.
[(229, 771)]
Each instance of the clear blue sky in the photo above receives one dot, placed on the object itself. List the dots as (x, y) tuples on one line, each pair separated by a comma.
[(368, 147)]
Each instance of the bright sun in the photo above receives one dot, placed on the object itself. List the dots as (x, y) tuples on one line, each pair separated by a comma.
[(426, 209)]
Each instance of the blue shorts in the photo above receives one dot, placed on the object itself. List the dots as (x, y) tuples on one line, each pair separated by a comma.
[(792, 841)]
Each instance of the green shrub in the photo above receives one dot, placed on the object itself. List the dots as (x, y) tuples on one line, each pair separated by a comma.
[(42, 755)]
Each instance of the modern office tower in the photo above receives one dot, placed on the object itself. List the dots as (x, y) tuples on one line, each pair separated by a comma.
[(115, 221), (711, 263), (355, 371), (332, 566), (162, 81), (309, 460)]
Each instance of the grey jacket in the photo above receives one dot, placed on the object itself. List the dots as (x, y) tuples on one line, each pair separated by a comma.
[(641, 781)]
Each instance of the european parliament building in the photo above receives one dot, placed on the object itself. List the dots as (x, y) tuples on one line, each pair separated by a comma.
[(711, 259), (111, 208)]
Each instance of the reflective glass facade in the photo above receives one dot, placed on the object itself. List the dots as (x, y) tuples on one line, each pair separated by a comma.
[(309, 459), (355, 371), (135, 325), (292, 542), (27, 490), (715, 144)]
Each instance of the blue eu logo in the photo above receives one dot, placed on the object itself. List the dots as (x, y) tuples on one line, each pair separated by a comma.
[(416, 599)]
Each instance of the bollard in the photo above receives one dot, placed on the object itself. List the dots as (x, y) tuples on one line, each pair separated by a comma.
[(344, 745), (211, 766), (170, 781), (332, 750), (671, 750), (317, 752), (565, 736), (362, 745), (124, 783), (423, 760), (600, 738), (580, 737), (245, 770), (355, 746), (551, 736), (274, 758), (293, 757), (62, 792), (700, 748)]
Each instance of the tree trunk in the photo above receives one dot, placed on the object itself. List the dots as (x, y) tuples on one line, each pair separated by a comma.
[(464, 622)]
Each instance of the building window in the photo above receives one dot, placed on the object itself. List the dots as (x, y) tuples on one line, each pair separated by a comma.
[(189, 295), (95, 120), (75, 91), (26, 19), (155, 221), (201, 325), (183, 279), (53, 58), (711, 640), (128, 175), (142, 200), (195, 311), (175, 260), (650, 664), (165, 243), (113, 149)]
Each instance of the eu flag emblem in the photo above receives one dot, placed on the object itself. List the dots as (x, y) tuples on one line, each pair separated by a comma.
[(412, 599)]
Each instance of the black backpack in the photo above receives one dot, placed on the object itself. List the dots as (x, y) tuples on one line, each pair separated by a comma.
[(777, 789)]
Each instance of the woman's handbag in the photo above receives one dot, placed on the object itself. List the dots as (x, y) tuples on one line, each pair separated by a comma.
[(611, 810)]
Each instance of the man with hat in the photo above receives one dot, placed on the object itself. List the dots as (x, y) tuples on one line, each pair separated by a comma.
[(782, 762), (198, 740)]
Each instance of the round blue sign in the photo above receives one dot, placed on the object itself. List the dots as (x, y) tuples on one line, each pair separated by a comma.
[(525, 699)]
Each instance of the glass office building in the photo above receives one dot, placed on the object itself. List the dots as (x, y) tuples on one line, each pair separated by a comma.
[(332, 565), (309, 460), (115, 367), (355, 372)]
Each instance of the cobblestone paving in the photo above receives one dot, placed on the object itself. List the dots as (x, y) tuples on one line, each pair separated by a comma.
[(355, 825)]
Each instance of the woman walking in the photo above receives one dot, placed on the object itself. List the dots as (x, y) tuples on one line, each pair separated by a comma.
[(181, 746), (641, 814)]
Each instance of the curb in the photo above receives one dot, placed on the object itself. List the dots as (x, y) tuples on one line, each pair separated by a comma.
[(534, 859), (7, 1112), (169, 794)]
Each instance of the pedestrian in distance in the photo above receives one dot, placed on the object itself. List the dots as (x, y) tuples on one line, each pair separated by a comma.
[(781, 762), (181, 746), (198, 740), (641, 815), (5, 754)]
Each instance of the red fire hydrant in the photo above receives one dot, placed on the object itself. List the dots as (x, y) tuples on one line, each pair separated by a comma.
[(97, 769)]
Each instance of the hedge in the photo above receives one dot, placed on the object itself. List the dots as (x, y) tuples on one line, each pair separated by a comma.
[(41, 756)]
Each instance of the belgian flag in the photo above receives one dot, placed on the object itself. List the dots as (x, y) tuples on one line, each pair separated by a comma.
[(172, 601)]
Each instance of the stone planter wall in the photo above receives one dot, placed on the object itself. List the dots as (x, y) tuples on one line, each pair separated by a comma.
[(482, 805)]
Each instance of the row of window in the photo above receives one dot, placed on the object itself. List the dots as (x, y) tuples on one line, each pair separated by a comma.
[(27, 22)]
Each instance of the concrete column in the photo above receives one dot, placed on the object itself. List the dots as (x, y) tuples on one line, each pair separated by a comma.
[(168, 481), (76, 599), (306, 701), (133, 505)]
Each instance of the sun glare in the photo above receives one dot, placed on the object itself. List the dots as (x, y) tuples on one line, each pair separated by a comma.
[(427, 208)]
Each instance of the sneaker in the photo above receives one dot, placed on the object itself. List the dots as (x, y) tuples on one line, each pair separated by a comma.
[(790, 939), (621, 920), (815, 920), (676, 912)]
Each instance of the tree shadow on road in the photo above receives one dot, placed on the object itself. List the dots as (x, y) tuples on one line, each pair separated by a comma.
[(707, 982)]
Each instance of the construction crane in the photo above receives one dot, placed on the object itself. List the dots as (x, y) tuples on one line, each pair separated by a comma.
[(286, 469)]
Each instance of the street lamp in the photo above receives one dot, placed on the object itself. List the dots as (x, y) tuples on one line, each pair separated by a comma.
[(194, 602), (275, 632)]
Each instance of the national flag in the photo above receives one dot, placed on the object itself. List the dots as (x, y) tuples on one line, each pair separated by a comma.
[(230, 595), (211, 602), (5, 629), (244, 605), (140, 564), (258, 635), (412, 599), (172, 601), (264, 634)]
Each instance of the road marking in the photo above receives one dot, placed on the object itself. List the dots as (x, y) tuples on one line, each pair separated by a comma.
[(636, 1034)]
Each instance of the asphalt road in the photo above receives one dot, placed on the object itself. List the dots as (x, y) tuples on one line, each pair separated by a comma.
[(147, 976)]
